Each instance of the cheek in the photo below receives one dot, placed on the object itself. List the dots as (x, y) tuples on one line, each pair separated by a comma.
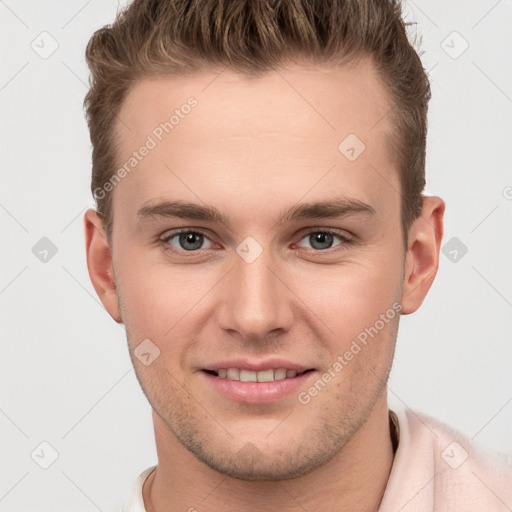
[(155, 293), (351, 296), (163, 303)]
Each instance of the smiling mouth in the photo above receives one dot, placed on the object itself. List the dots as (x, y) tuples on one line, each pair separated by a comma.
[(270, 375)]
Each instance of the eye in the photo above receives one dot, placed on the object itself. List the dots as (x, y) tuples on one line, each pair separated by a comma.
[(322, 240), (185, 240), (188, 240)]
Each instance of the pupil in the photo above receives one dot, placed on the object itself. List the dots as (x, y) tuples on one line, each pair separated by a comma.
[(323, 239), (188, 238)]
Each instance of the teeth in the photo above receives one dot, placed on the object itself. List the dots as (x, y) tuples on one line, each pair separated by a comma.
[(248, 376), (269, 375), (280, 374), (233, 374), (266, 376)]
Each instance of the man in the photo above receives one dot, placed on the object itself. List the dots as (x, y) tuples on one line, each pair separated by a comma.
[(258, 168)]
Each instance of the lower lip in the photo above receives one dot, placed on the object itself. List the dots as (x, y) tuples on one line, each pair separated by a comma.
[(256, 392)]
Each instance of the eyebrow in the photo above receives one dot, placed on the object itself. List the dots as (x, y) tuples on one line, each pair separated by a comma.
[(331, 208)]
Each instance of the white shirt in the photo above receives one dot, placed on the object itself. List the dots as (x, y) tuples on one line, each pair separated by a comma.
[(435, 469)]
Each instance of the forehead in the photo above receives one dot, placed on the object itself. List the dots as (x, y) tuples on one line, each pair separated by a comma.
[(283, 132), (323, 99)]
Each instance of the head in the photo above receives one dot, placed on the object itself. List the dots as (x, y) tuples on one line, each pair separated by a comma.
[(298, 130), (154, 39)]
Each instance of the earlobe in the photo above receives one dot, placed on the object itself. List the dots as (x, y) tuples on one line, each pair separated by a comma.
[(99, 263), (422, 259)]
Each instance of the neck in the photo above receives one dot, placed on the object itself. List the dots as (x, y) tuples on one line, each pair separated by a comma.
[(356, 477)]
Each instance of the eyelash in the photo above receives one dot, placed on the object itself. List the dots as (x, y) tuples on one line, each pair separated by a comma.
[(345, 240)]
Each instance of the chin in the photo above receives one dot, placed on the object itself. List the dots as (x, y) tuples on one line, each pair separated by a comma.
[(287, 460), (250, 464)]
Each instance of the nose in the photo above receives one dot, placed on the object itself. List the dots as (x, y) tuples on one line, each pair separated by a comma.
[(256, 303)]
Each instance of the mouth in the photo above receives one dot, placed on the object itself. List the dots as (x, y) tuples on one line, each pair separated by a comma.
[(256, 382), (268, 375)]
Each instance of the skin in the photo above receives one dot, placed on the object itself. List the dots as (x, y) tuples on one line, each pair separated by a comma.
[(252, 148)]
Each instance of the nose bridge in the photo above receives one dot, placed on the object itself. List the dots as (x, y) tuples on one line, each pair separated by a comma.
[(256, 302)]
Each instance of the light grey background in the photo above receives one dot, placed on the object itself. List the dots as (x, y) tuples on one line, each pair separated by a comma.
[(66, 376)]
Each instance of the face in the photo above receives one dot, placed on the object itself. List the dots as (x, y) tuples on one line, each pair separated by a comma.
[(293, 286)]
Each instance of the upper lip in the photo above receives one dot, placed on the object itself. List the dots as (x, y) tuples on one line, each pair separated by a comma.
[(257, 366)]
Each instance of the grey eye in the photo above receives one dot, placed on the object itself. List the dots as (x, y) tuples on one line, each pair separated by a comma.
[(188, 241), (321, 240)]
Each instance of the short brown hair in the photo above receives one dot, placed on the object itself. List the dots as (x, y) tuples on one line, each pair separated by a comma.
[(153, 38)]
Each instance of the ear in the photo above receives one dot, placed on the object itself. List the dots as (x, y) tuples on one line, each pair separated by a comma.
[(99, 263), (422, 258)]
